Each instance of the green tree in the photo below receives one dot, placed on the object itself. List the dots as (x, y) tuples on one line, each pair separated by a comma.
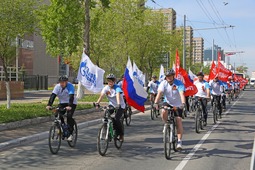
[(61, 25), (17, 18), (242, 69)]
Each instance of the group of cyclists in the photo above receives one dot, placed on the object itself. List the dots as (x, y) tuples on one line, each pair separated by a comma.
[(170, 88)]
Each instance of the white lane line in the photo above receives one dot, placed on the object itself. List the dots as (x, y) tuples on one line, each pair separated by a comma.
[(253, 157), (183, 163)]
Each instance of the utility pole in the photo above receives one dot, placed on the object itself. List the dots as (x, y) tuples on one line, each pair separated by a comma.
[(184, 44), (87, 27), (17, 58)]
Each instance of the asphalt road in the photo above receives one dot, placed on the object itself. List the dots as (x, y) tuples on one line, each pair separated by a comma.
[(226, 145)]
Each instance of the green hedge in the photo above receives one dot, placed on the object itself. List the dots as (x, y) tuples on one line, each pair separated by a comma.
[(29, 110)]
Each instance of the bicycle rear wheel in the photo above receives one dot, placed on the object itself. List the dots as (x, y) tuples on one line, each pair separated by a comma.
[(215, 114), (75, 136), (102, 140), (128, 117), (197, 121), (167, 144), (54, 139)]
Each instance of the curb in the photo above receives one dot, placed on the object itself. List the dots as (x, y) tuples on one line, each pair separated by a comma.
[(44, 135), (22, 123)]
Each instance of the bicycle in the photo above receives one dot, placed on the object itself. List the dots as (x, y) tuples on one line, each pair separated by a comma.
[(107, 133), (59, 131), (192, 106), (153, 111), (229, 96), (199, 116), (215, 110), (169, 132), (127, 113)]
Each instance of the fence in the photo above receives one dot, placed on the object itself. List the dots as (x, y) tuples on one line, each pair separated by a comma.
[(11, 71), (35, 82)]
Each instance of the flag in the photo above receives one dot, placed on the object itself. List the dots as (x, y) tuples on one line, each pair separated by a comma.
[(90, 75), (224, 73), (135, 94), (177, 63), (138, 74), (161, 73), (192, 76), (213, 71), (190, 88)]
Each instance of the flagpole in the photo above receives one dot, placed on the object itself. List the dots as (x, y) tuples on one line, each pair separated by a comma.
[(184, 43)]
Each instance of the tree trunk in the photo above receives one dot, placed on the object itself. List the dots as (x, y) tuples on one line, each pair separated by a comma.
[(8, 94), (7, 85), (87, 27)]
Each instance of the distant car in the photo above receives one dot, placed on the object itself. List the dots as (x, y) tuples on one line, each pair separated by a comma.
[(252, 82)]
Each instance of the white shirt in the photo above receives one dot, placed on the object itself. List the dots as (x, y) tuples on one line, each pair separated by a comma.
[(201, 88), (63, 94), (216, 87), (111, 95), (172, 92), (153, 86)]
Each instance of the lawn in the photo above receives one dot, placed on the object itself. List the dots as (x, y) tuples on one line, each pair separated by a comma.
[(29, 110)]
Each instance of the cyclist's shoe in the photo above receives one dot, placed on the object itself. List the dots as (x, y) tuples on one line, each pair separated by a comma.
[(205, 123), (158, 113), (70, 138), (121, 138), (179, 145)]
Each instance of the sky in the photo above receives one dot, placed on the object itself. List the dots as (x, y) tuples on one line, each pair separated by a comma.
[(219, 13)]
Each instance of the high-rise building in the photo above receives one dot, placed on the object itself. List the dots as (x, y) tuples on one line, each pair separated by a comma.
[(188, 42), (208, 54), (170, 15), (198, 50)]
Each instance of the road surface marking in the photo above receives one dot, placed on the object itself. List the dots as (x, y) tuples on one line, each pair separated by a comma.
[(183, 163)]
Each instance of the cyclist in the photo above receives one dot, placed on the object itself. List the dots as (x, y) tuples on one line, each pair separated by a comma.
[(231, 85), (153, 87), (173, 91), (203, 93), (115, 97), (120, 82), (223, 95), (65, 92), (236, 89), (216, 91)]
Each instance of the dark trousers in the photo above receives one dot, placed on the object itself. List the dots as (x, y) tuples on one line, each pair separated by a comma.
[(187, 103), (224, 100), (117, 122), (70, 120), (217, 98), (204, 106)]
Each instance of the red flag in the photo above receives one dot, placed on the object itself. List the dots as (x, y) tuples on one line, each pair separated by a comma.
[(190, 88), (177, 63), (213, 72), (224, 73)]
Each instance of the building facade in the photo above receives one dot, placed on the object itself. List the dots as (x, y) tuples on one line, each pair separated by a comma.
[(170, 15), (198, 50), (208, 54)]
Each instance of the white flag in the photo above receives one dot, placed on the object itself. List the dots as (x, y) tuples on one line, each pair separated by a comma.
[(90, 75), (161, 73), (138, 74), (192, 75)]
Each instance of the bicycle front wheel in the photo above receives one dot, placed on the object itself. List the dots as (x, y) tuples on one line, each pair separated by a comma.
[(117, 142), (102, 140), (75, 136), (167, 144), (214, 114), (54, 139), (197, 121), (152, 112)]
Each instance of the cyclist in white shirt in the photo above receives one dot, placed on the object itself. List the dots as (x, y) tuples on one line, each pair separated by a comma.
[(65, 92), (153, 88), (115, 96), (173, 91), (216, 90), (203, 93)]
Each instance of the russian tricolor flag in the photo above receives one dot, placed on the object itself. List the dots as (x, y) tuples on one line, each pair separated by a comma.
[(134, 92)]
